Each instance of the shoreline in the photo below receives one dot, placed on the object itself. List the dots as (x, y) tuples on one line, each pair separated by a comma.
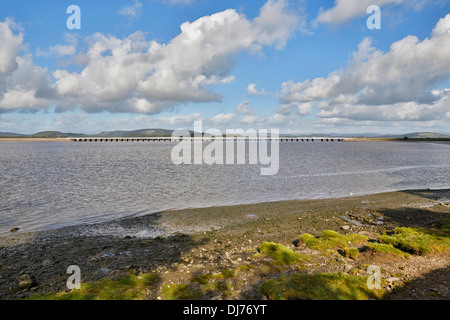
[(213, 239), (88, 226), (398, 139), (353, 139), (32, 139)]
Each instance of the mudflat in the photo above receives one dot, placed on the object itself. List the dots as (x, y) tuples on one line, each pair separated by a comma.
[(216, 252)]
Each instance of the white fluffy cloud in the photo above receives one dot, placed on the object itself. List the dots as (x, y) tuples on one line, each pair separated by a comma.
[(114, 66), (61, 50), (58, 50), (9, 49), (133, 75), (140, 76), (132, 10), (23, 85), (251, 89), (244, 108), (400, 84)]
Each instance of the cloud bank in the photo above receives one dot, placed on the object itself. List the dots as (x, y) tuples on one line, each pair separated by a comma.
[(23, 85), (140, 76), (401, 84)]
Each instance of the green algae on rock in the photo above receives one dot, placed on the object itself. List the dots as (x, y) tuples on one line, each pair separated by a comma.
[(320, 286), (280, 254)]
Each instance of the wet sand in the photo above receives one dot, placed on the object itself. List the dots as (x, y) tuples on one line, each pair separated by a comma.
[(189, 241)]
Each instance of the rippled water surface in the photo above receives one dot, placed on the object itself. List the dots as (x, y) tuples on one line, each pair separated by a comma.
[(46, 185)]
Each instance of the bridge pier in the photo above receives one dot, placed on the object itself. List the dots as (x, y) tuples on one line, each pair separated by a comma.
[(165, 139)]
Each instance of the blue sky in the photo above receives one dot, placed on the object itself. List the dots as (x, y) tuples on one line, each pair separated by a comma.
[(296, 65)]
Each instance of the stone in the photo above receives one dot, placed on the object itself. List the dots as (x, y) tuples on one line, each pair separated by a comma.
[(345, 227), (392, 279), (27, 281)]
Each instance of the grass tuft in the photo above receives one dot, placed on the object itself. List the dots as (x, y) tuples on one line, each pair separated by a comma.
[(280, 254), (180, 292), (320, 286), (331, 239), (351, 253), (419, 241), (387, 248), (130, 287)]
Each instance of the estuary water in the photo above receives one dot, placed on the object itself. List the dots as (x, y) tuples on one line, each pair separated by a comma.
[(48, 185)]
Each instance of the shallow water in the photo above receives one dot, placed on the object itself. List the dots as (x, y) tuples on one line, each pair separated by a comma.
[(47, 185)]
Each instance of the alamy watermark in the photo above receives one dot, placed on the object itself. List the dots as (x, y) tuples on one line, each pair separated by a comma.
[(74, 281), (374, 21), (74, 20), (230, 148), (374, 280)]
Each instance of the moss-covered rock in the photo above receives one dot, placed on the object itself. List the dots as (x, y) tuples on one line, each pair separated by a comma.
[(280, 254), (386, 248), (129, 287), (314, 243), (180, 292), (416, 240), (331, 239), (201, 279), (351, 253), (320, 286), (330, 234)]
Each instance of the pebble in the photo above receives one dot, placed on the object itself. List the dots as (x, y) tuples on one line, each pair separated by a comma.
[(348, 267), (392, 279), (27, 281)]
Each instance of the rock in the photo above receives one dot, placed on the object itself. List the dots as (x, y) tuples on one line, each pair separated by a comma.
[(130, 267), (348, 267), (105, 270), (392, 282), (15, 229), (27, 281), (345, 227), (392, 279)]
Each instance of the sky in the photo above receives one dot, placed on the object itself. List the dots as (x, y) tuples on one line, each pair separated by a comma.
[(300, 66)]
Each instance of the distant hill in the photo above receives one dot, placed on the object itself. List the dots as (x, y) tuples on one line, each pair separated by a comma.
[(9, 134), (137, 133), (118, 133), (43, 134), (54, 134), (419, 135), (414, 135), (168, 133)]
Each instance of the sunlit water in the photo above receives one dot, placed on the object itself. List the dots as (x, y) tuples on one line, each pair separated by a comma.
[(46, 185)]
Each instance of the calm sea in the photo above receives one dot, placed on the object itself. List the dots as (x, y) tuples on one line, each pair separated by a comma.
[(46, 185)]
